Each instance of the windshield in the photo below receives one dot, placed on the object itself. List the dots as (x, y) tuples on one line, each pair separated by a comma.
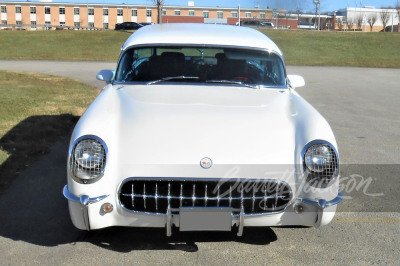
[(201, 64)]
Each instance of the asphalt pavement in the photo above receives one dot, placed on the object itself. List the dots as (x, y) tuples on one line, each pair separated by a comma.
[(362, 107)]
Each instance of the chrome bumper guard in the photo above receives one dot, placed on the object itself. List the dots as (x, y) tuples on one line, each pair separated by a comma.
[(322, 204), (85, 200)]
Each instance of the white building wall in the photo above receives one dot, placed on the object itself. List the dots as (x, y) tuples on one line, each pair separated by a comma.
[(354, 13)]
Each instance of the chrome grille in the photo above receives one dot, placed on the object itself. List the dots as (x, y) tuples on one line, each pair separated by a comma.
[(154, 196)]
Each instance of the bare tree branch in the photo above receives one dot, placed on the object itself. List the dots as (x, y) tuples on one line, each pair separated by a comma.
[(385, 15), (359, 21), (349, 24), (159, 4), (372, 20), (340, 24)]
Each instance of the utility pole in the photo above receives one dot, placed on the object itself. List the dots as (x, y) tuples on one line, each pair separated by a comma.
[(317, 11), (239, 15), (87, 12)]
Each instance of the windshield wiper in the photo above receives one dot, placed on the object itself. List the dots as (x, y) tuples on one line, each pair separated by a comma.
[(223, 81), (172, 78)]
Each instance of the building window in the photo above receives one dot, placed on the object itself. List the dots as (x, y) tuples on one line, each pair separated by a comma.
[(164, 12), (91, 11), (3, 9), (248, 14), (47, 23), (77, 24), (220, 14), (18, 9), (177, 13), (105, 11), (205, 14), (234, 14), (91, 25), (191, 12), (4, 22), (62, 23), (47, 10), (148, 12), (76, 10), (105, 26), (134, 12), (33, 9), (18, 22), (120, 12), (62, 11), (262, 15), (33, 24)]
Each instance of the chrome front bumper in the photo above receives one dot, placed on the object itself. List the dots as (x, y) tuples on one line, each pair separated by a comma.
[(237, 217), (85, 201), (321, 204)]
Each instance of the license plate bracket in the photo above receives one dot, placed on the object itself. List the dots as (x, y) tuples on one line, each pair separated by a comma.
[(205, 219)]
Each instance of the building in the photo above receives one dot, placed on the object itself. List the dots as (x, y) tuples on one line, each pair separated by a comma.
[(360, 18), (48, 15)]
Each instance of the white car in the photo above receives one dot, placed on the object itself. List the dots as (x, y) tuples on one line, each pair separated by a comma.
[(200, 128)]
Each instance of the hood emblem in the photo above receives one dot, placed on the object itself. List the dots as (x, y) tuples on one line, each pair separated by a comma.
[(206, 162)]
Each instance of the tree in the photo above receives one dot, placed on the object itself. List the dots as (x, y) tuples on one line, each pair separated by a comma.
[(340, 24), (372, 20), (359, 21), (385, 15), (159, 4), (349, 24)]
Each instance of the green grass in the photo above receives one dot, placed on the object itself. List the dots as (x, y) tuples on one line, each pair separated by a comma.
[(299, 47), (62, 45), (338, 48), (35, 111)]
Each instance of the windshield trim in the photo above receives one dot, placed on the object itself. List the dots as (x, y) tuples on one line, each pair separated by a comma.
[(126, 49)]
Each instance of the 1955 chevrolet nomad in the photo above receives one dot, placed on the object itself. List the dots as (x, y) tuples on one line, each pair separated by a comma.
[(200, 128)]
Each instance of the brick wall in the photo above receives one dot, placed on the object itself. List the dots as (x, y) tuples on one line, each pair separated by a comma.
[(182, 19)]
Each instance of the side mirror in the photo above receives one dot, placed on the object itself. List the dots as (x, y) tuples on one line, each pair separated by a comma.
[(105, 75), (296, 81)]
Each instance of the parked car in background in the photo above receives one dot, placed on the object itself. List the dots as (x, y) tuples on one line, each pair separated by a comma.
[(147, 23), (257, 23), (200, 128), (128, 26)]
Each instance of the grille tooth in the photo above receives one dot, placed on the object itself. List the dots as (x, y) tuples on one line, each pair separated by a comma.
[(169, 194), (181, 196), (230, 195), (156, 197), (218, 196), (253, 199), (205, 196), (194, 195), (254, 196)]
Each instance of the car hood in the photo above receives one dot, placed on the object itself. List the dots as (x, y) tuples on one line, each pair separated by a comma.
[(181, 124)]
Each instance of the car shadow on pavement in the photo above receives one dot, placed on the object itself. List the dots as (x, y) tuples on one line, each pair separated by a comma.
[(33, 209), (124, 239)]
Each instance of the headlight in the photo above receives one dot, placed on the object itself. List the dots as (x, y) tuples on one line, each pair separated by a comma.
[(88, 159), (321, 164)]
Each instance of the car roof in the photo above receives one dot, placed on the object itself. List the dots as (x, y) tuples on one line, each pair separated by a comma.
[(201, 34)]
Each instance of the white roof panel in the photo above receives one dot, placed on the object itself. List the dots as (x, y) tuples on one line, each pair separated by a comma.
[(201, 34)]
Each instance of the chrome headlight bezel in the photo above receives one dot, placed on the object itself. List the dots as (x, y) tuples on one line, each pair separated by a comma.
[(88, 173), (325, 170)]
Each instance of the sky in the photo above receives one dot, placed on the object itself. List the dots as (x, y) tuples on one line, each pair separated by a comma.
[(304, 5)]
